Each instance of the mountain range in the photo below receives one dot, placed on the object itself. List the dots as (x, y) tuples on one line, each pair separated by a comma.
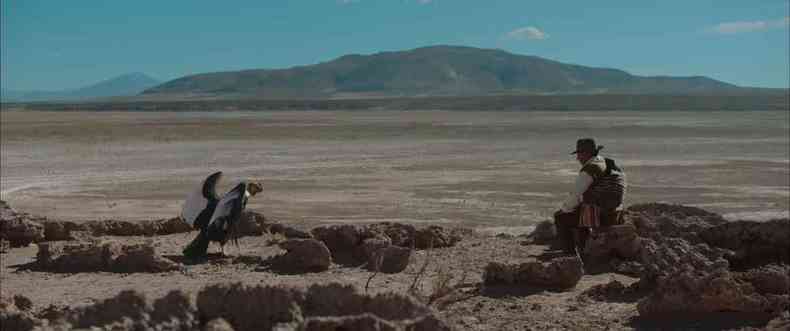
[(433, 71), (123, 85)]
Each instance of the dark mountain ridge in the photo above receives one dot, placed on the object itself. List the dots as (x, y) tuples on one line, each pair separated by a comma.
[(434, 71)]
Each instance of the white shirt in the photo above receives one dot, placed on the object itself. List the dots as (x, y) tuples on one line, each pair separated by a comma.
[(583, 182)]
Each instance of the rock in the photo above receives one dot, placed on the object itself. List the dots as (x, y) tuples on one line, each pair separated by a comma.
[(248, 307), (698, 292), (384, 257), (362, 322), (304, 255), (101, 256), (171, 226), (289, 232), (613, 291), (397, 233), (18, 229), (780, 323), (251, 223), (658, 220), (137, 258), (620, 241), (754, 243), (630, 268), (4, 245), (13, 317), (544, 233), (23, 303), (671, 255), (342, 241), (769, 279), (218, 324), (560, 273), (435, 236), (695, 279), (60, 230), (428, 323), (175, 305), (336, 299)]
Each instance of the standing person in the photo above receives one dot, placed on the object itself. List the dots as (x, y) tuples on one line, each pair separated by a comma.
[(596, 198)]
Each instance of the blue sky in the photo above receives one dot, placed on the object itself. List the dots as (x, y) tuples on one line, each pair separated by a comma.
[(64, 44)]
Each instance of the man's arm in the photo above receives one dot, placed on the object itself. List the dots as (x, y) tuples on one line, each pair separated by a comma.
[(583, 182)]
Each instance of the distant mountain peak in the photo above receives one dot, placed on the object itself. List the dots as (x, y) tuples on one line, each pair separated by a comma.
[(439, 70), (122, 85)]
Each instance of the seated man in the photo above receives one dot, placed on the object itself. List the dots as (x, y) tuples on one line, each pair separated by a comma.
[(595, 200)]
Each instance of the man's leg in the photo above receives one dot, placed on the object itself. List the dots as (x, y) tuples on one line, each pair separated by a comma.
[(566, 223)]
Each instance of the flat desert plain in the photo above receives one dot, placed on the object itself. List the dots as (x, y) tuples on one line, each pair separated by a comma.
[(502, 171)]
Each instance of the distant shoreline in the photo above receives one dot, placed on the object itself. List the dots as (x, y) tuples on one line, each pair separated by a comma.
[(760, 102)]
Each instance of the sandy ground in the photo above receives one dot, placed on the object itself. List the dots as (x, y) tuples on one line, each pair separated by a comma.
[(479, 310)]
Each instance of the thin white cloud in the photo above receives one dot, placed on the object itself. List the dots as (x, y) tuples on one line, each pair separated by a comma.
[(730, 28), (527, 32)]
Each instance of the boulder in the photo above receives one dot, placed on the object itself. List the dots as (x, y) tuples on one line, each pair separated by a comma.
[(754, 243), (561, 273), (342, 241), (304, 255)]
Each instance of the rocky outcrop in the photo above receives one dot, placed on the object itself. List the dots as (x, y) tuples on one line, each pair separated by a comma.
[(561, 273), (345, 241), (101, 256), (694, 279), (754, 243), (19, 229), (616, 241), (699, 292), (672, 255), (658, 220), (304, 255)]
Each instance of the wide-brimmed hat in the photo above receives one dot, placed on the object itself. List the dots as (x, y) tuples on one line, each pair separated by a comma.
[(587, 145)]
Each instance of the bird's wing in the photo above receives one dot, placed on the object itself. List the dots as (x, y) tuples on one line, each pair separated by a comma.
[(228, 209), (200, 204)]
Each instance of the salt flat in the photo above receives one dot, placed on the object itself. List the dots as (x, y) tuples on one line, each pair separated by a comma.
[(482, 169)]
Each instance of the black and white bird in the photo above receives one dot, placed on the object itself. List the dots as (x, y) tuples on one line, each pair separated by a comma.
[(216, 218)]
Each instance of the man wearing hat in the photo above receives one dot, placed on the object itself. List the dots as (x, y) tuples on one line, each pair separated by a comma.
[(595, 200)]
